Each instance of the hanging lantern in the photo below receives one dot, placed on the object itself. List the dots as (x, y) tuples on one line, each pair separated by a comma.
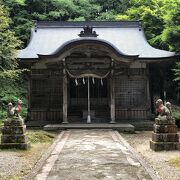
[(76, 82)]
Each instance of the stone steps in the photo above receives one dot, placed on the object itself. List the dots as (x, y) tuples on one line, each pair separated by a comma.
[(119, 127)]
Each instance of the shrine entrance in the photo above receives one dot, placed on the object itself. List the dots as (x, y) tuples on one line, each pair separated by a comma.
[(88, 84), (98, 99)]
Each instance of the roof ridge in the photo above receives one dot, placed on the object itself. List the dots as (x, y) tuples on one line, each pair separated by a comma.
[(45, 24)]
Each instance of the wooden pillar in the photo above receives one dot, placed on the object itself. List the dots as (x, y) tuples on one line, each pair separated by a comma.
[(162, 88), (152, 73), (29, 96), (112, 95), (148, 98), (89, 111), (65, 120), (29, 92), (148, 89)]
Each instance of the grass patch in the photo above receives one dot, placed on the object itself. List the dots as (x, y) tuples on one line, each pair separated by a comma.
[(175, 162), (40, 136)]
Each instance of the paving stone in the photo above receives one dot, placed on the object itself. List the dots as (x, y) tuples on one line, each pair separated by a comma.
[(94, 155)]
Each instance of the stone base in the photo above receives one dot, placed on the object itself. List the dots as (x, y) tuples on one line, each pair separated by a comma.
[(160, 146), (14, 130), (15, 121), (13, 139), (165, 137), (13, 134), (164, 122), (22, 146), (165, 128)]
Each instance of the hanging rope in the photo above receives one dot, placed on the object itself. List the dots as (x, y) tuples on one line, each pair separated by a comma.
[(87, 75)]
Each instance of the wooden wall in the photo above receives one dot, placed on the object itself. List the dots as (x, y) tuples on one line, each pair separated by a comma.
[(131, 95), (46, 96)]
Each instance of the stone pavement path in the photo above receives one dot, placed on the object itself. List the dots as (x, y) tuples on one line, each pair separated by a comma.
[(92, 155)]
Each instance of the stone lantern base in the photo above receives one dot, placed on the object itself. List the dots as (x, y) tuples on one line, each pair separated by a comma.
[(13, 134), (164, 136)]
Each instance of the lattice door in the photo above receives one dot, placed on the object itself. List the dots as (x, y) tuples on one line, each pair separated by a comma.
[(130, 93)]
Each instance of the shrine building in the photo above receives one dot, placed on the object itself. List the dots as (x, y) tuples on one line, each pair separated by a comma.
[(89, 72)]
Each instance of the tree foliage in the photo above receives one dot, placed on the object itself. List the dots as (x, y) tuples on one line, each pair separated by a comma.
[(8, 49), (8, 42), (177, 72), (160, 20), (9, 82)]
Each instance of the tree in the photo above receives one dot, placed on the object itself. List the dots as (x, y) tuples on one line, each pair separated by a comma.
[(9, 88), (8, 43), (151, 17)]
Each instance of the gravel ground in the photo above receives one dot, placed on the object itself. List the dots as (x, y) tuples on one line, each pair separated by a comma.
[(158, 160), (16, 163)]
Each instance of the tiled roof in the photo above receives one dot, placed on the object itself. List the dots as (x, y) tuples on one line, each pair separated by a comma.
[(127, 38)]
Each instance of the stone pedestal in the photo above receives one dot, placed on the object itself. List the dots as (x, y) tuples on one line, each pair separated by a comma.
[(164, 136), (13, 134)]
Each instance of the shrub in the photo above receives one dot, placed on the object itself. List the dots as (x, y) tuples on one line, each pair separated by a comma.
[(176, 115)]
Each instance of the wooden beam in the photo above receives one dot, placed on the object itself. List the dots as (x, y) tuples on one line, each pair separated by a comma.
[(87, 59)]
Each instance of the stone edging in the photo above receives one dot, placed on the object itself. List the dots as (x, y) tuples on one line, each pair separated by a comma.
[(140, 158), (43, 159)]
